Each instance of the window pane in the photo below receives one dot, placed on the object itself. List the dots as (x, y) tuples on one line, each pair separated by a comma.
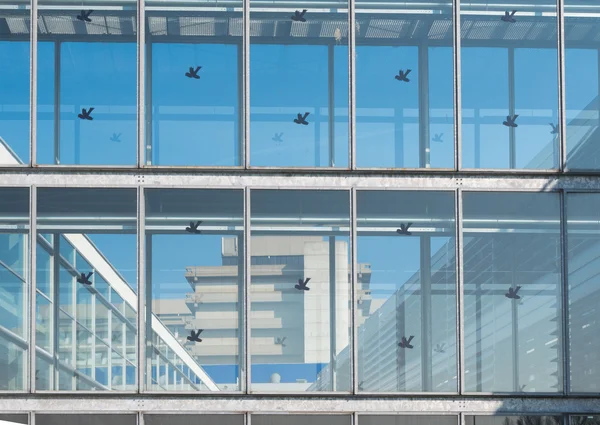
[(300, 291), (584, 254), (194, 83), (301, 419), (87, 83), (194, 247), (512, 295), (193, 419), (406, 420), (14, 282), (582, 22), (299, 84), (97, 419), (14, 81), (404, 84), (513, 420), (509, 84), (406, 291), (75, 217)]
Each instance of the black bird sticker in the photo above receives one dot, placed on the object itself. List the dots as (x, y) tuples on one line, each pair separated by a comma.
[(85, 115), (404, 343), (510, 121), (193, 227), (194, 336), (277, 137), (280, 341), (360, 385), (85, 16), (116, 138), (302, 118), (403, 76), (440, 348), (554, 128), (299, 16), (193, 73), (522, 388), (301, 286), (83, 279), (509, 17), (438, 138), (512, 293), (403, 230)]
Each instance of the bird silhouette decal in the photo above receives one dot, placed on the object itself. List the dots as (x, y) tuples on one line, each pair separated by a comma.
[(277, 137), (280, 341), (403, 76), (509, 17), (85, 16), (194, 336), (512, 293), (438, 138), (299, 16), (510, 121), (405, 343), (116, 138), (193, 73), (85, 115), (302, 118), (522, 388), (193, 227), (301, 286), (554, 128), (403, 230), (85, 279), (360, 385), (440, 348)]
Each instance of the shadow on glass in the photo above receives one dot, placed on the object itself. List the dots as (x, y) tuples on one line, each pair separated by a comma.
[(87, 83), (194, 283), (512, 292), (86, 298)]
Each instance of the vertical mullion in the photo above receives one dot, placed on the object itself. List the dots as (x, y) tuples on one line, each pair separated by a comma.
[(562, 105), (246, 82), (353, 283), (246, 301), (564, 346), (351, 84), (141, 46), (33, 84), (141, 290), (32, 283), (457, 85), (459, 292)]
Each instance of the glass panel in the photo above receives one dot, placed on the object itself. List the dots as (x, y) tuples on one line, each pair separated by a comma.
[(585, 420), (301, 419), (193, 419), (509, 84), (406, 420), (406, 309), (583, 229), (17, 419), (194, 83), (404, 84), (300, 291), (87, 83), (103, 419), (194, 250), (513, 420), (299, 84), (14, 82), (582, 64), (14, 254), (512, 295), (75, 217)]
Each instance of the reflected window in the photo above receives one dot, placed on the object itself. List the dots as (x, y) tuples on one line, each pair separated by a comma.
[(512, 292), (14, 82), (194, 84), (582, 73), (14, 282), (406, 301), (299, 84), (583, 230), (80, 313), (300, 291), (509, 84), (194, 249), (87, 83), (404, 85)]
